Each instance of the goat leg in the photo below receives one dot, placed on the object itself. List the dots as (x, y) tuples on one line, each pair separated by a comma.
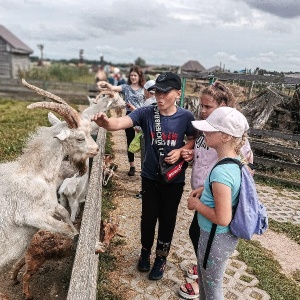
[(47, 222), (65, 216), (16, 269), (26, 289), (33, 264)]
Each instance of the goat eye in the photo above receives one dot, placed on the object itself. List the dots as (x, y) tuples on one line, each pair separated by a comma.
[(80, 140)]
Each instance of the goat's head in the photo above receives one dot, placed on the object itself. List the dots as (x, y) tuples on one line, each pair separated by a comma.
[(115, 99), (108, 231), (75, 138)]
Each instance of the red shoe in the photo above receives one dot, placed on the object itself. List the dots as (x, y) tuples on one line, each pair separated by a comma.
[(194, 274)]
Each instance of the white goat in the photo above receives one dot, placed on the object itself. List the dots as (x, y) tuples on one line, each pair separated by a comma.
[(73, 190), (28, 200), (105, 101)]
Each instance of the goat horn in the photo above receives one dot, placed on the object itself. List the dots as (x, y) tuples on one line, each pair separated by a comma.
[(71, 116), (44, 93)]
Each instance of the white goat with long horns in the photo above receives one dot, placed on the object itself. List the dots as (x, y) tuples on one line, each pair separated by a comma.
[(28, 200)]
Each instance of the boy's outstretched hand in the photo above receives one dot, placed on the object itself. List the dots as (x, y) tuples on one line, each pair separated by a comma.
[(100, 119)]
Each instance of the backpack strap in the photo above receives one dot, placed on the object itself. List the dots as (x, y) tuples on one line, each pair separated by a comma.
[(227, 160)]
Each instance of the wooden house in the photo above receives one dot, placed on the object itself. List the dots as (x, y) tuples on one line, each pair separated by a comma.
[(14, 54)]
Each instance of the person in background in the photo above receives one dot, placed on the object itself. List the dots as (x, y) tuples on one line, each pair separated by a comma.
[(133, 95), (204, 158), (160, 200), (225, 131)]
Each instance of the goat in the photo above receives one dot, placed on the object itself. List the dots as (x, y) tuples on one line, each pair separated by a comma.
[(28, 200), (66, 169), (73, 190), (108, 169), (103, 102), (46, 245), (108, 230)]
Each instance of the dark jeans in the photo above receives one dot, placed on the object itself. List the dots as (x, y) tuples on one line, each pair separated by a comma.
[(160, 203), (130, 134), (194, 232)]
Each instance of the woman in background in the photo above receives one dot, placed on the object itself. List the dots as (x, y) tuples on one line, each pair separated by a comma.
[(133, 95)]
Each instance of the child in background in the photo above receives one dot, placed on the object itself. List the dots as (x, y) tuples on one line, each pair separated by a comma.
[(204, 158), (224, 130)]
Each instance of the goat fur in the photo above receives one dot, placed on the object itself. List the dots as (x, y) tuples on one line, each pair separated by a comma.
[(28, 200), (46, 245)]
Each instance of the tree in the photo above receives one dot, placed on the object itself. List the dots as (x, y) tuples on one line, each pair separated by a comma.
[(140, 62)]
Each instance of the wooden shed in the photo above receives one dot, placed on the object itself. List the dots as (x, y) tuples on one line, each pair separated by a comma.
[(14, 54)]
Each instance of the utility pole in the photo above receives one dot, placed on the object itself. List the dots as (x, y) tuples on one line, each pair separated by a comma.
[(41, 47)]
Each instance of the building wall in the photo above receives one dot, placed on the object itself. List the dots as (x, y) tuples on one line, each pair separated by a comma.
[(5, 60), (19, 62), (11, 62)]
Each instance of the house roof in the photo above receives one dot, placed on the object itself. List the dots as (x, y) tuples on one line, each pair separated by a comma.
[(213, 69), (16, 43), (192, 66)]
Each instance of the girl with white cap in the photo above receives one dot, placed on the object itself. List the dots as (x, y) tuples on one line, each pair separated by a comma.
[(225, 131), (204, 158)]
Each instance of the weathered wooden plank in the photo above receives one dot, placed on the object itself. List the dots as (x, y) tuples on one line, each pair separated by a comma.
[(275, 134), (85, 268), (288, 182), (275, 163), (277, 148)]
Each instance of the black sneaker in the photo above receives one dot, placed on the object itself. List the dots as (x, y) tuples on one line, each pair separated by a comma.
[(158, 268), (139, 195), (131, 171), (144, 261)]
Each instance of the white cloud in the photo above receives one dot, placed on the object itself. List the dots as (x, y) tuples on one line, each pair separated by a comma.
[(161, 31)]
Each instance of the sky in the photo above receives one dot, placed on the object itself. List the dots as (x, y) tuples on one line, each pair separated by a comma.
[(237, 34)]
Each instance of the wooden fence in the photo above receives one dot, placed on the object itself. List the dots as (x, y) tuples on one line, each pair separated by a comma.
[(83, 283), (71, 92), (278, 148)]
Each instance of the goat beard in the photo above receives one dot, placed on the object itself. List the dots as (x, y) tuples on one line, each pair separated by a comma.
[(80, 165)]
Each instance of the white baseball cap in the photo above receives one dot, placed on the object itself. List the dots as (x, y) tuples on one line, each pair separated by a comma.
[(225, 119), (148, 84)]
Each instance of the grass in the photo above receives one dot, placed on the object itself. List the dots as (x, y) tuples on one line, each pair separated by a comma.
[(16, 123), (290, 230), (261, 263), (106, 259)]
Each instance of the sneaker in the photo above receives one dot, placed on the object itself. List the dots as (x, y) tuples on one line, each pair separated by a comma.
[(131, 171), (144, 261), (139, 195), (158, 268)]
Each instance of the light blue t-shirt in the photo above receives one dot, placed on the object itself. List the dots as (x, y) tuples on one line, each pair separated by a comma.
[(228, 174)]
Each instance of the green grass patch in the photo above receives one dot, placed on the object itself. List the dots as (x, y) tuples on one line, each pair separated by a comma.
[(60, 73), (289, 229), (261, 263), (16, 124), (106, 260)]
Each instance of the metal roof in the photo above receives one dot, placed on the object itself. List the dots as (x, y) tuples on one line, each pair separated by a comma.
[(16, 43)]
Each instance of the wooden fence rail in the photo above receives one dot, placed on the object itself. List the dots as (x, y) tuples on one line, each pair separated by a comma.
[(83, 283)]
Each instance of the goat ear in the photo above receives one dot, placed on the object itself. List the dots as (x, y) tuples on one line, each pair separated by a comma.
[(53, 119), (65, 133)]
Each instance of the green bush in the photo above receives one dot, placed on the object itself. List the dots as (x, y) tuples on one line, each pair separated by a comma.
[(59, 72)]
